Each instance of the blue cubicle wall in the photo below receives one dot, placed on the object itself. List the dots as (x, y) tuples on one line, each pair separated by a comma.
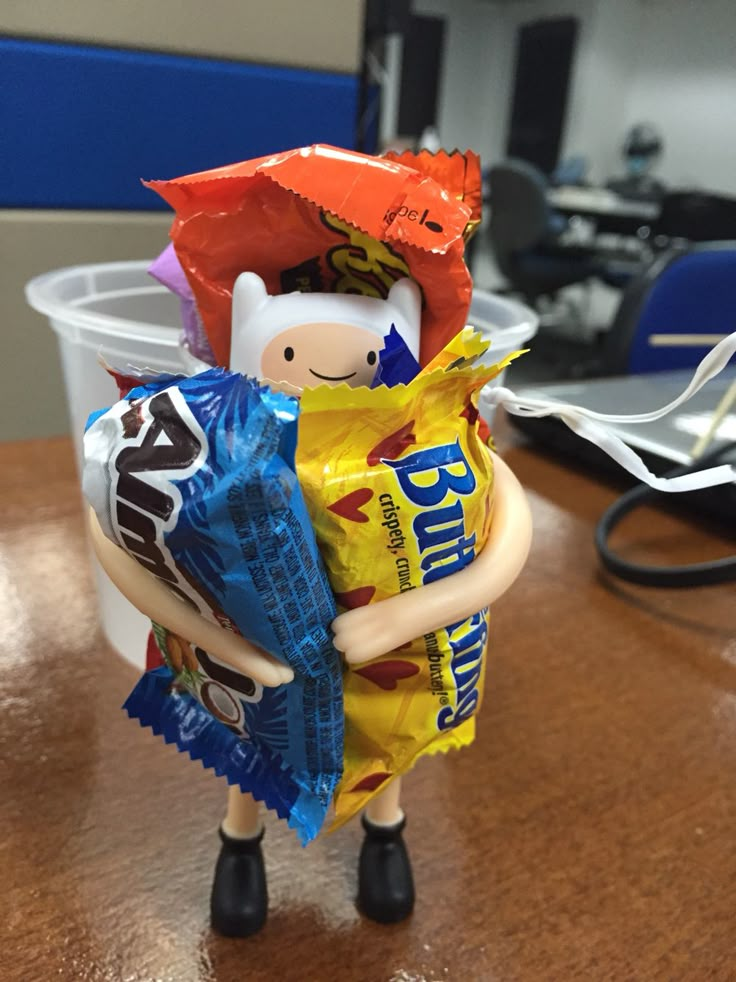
[(79, 126)]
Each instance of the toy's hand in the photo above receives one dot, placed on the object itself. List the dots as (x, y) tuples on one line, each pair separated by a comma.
[(367, 632), (244, 657), (156, 601)]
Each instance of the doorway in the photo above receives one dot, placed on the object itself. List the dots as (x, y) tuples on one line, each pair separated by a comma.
[(544, 57)]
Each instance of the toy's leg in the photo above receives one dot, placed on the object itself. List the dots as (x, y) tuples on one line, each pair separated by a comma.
[(385, 809), (243, 817), (239, 901), (385, 882)]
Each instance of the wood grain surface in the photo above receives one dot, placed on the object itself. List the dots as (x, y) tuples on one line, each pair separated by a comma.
[(588, 833)]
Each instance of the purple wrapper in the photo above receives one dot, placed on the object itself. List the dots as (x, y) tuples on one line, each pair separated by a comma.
[(168, 271)]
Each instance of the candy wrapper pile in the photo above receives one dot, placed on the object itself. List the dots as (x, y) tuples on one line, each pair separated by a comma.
[(270, 513)]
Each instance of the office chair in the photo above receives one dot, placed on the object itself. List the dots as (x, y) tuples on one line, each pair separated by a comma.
[(525, 233), (684, 291)]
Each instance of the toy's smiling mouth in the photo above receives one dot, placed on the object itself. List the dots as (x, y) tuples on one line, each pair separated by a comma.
[(332, 378)]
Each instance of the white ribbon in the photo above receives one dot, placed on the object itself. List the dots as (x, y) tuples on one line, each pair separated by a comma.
[(586, 423)]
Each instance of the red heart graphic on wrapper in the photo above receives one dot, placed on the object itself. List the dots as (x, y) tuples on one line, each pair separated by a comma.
[(350, 504), (392, 446), (359, 597), (387, 674), (371, 782), (470, 413)]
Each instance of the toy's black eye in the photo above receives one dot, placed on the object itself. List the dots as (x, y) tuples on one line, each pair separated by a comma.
[(289, 354), (371, 358)]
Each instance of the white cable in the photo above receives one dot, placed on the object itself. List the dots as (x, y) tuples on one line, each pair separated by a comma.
[(585, 422)]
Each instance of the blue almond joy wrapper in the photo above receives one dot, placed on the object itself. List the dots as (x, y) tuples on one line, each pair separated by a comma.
[(195, 478)]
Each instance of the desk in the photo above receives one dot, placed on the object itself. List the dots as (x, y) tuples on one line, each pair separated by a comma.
[(601, 203), (587, 834)]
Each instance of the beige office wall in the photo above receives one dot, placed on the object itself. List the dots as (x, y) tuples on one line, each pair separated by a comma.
[(32, 400), (322, 34)]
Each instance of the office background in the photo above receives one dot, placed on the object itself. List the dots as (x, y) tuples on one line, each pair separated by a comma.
[(668, 62)]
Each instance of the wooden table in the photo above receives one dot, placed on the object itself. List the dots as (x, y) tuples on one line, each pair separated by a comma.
[(588, 834)]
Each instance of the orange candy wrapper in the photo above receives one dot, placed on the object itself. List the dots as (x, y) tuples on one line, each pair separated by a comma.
[(399, 487), (458, 173), (320, 219)]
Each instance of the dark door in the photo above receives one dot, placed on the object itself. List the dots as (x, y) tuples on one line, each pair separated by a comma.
[(421, 65), (544, 58)]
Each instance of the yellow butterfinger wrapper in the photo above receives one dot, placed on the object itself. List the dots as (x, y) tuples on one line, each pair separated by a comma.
[(400, 488), (462, 351)]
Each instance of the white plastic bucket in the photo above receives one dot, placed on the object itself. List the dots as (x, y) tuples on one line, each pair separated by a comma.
[(508, 325), (118, 311)]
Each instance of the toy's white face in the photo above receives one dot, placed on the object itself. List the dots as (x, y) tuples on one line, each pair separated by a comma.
[(297, 341), (308, 355)]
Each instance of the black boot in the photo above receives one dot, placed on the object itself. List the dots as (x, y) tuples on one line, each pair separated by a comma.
[(239, 901), (385, 883)]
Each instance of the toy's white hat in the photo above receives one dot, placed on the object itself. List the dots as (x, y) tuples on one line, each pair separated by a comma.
[(258, 318)]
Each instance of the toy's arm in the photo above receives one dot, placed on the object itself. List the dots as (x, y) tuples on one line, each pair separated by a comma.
[(370, 631), (154, 599)]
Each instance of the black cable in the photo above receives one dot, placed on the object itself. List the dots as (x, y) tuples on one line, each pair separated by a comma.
[(696, 574)]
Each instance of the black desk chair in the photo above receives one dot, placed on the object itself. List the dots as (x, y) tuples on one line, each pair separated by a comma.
[(525, 235)]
